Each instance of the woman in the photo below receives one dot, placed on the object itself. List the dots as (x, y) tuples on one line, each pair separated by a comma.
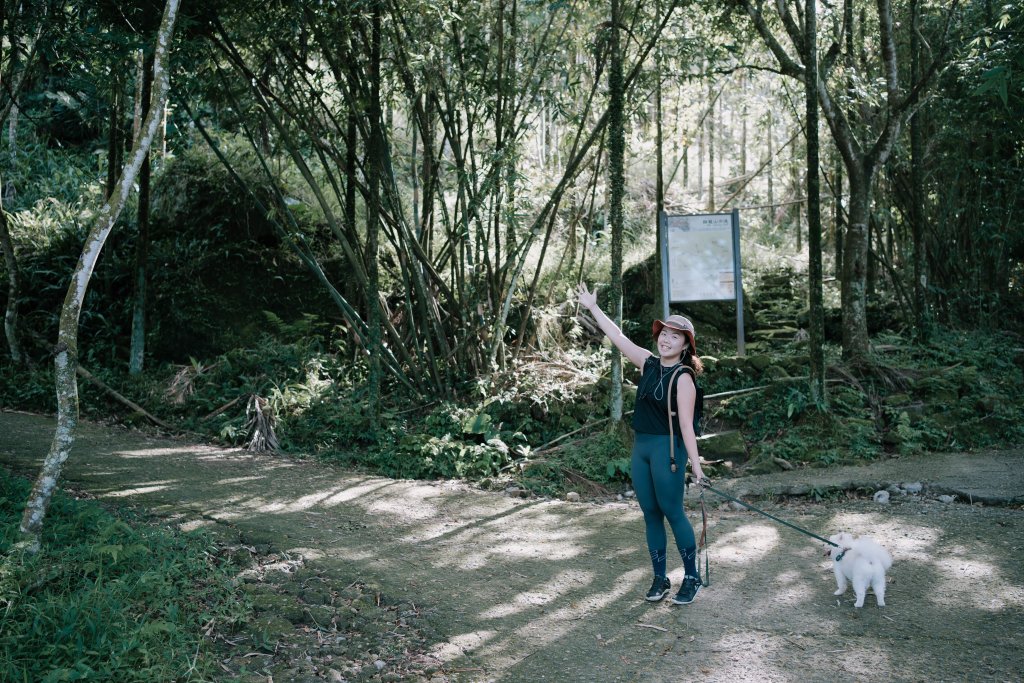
[(667, 380)]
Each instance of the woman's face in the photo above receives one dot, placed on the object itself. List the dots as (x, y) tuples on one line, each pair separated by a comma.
[(671, 343)]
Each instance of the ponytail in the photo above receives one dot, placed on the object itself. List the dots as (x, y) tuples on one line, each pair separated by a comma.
[(692, 361)]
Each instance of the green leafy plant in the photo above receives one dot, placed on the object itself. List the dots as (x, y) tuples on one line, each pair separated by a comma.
[(108, 597)]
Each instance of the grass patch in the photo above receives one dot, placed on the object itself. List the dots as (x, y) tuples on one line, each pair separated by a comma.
[(108, 598)]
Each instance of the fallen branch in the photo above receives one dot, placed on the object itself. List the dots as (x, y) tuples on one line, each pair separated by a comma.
[(131, 404), (656, 628), (224, 407)]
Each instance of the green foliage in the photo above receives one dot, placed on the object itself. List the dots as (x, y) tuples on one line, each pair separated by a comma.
[(107, 598)]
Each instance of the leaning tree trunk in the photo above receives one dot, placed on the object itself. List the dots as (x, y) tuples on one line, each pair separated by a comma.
[(66, 351)]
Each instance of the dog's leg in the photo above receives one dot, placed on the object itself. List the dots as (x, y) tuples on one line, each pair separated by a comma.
[(840, 579), (878, 586), (860, 588)]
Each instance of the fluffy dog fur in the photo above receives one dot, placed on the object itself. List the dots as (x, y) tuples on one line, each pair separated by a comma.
[(863, 562)]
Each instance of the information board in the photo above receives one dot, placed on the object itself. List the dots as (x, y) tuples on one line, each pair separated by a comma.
[(701, 260)]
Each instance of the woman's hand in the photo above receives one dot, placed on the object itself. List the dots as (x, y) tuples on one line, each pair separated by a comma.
[(588, 299), (698, 475)]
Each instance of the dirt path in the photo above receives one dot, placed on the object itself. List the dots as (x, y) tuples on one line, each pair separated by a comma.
[(510, 589)]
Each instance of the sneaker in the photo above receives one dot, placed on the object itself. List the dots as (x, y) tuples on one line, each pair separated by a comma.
[(688, 591), (659, 589)]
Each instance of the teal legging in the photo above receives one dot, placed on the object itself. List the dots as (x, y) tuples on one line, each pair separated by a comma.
[(659, 491)]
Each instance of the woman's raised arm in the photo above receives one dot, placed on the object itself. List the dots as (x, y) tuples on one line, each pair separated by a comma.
[(636, 354)]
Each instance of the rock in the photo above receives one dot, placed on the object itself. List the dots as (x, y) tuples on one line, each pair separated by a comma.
[(946, 499), (572, 497), (736, 506), (379, 664), (881, 497), (784, 464), (915, 487), (723, 445), (630, 493)]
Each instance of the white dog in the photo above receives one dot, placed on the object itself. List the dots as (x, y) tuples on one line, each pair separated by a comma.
[(863, 562)]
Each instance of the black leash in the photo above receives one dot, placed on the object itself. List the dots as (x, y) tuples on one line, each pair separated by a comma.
[(760, 511)]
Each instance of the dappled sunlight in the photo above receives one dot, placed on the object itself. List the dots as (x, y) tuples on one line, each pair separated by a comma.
[(239, 480), (552, 625), (746, 656), (536, 536), (299, 504), (457, 645), (750, 542), (194, 524), (351, 493), (963, 577), (124, 493), (793, 588), (307, 554), (973, 582), (559, 584)]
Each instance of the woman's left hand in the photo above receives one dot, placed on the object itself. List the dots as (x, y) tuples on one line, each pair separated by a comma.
[(698, 476)]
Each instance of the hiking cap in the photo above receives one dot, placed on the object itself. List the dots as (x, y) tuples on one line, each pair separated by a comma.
[(680, 324)]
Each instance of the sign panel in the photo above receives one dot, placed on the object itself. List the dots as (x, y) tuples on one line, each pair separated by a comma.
[(701, 258)]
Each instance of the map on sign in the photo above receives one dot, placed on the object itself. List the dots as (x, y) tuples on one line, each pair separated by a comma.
[(700, 258)]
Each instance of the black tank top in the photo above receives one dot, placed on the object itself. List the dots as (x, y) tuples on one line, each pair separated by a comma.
[(649, 413)]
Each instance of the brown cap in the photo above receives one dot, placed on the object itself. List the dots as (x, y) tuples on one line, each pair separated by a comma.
[(676, 322)]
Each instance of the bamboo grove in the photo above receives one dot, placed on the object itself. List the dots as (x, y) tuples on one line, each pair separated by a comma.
[(457, 154)]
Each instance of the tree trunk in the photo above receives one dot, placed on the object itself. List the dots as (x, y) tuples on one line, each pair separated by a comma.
[(66, 351), (374, 167), (837, 216), (659, 175), (771, 172), (816, 313), (113, 139), (616, 181), (711, 153), (855, 270), (11, 261), (136, 354), (917, 189)]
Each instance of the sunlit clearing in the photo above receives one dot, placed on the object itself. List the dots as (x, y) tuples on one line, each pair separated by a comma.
[(562, 583), (749, 543), (194, 524)]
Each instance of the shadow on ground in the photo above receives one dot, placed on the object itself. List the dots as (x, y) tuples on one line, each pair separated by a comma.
[(510, 589)]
